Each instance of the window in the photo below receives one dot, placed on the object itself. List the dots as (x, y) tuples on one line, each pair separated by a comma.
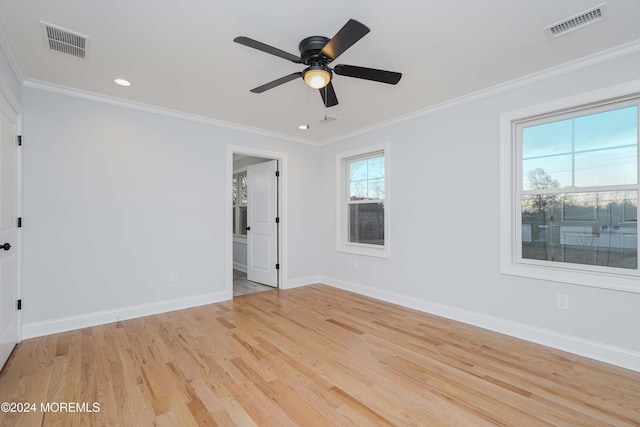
[(363, 205), (239, 194), (570, 209)]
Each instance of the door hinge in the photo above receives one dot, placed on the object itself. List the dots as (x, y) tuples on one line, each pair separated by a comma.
[(19, 304), (277, 173), (277, 220), (277, 266), (20, 222), (19, 139)]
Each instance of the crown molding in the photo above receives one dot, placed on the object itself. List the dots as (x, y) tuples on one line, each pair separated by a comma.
[(133, 105), (568, 67)]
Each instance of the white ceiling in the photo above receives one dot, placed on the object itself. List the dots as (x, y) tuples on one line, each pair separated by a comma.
[(181, 55)]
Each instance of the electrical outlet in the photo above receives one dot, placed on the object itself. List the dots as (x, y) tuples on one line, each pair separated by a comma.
[(174, 276), (562, 301)]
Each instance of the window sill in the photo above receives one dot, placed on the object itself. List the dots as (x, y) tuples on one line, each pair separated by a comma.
[(618, 282), (378, 252), (239, 239)]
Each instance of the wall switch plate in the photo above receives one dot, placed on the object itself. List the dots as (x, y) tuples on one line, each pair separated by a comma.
[(173, 276), (562, 301)]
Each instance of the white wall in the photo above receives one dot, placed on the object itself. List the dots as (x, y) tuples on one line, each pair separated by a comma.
[(115, 199), (9, 85), (445, 228), (240, 256)]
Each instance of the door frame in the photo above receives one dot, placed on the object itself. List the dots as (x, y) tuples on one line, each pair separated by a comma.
[(19, 214), (8, 106), (282, 209)]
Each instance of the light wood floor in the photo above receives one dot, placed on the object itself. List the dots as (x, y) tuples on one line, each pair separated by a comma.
[(311, 356)]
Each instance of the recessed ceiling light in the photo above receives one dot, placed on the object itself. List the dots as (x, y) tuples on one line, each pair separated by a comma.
[(303, 127), (122, 82)]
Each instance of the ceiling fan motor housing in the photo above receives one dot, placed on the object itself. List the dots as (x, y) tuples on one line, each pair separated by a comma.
[(310, 50)]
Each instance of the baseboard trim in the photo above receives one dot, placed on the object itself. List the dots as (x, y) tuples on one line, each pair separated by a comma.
[(594, 350), (63, 324), (240, 267), (302, 281)]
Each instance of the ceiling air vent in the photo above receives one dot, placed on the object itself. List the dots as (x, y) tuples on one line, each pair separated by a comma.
[(65, 41), (580, 20)]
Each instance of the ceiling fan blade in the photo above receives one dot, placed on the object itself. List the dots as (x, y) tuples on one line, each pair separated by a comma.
[(329, 98), (382, 76), (276, 82), (268, 49), (344, 39)]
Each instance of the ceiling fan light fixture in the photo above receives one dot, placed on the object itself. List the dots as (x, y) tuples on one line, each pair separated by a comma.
[(317, 52), (317, 76)]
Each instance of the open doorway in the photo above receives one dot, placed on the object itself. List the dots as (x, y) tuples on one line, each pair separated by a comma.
[(256, 223)]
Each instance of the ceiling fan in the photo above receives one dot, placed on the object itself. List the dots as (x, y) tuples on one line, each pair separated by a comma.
[(317, 52)]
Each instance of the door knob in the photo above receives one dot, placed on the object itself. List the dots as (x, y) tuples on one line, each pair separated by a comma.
[(248, 228), (6, 246)]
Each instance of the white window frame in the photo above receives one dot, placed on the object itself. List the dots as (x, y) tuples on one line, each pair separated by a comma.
[(342, 205), (511, 181), (237, 237)]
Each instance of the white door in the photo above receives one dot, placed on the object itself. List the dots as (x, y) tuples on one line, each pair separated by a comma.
[(9, 243), (262, 229)]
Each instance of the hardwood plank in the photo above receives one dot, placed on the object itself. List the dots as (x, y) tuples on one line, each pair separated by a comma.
[(310, 356)]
